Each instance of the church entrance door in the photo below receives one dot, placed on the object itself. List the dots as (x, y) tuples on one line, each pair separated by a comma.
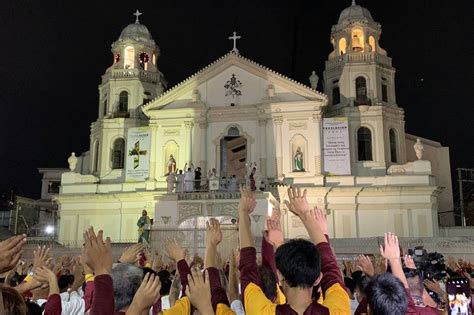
[(233, 155)]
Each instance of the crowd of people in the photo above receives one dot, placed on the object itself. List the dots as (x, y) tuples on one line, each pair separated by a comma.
[(295, 276)]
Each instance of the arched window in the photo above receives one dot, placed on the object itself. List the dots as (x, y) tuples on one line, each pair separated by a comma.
[(123, 101), (372, 42), (129, 57), (357, 40), (336, 95), (118, 154), (96, 157), (361, 91), (342, 46), (233, 132), (393, 146), (364, 144)]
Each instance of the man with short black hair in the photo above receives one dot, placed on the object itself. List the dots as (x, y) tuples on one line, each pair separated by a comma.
[(301, 264), (386, 295)]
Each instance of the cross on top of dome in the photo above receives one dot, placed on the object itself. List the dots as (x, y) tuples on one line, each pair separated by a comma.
[(137, 14)]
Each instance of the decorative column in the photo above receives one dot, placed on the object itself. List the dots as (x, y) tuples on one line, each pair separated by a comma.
[(189, 136), (278, 121), (203, 147), (153, 159), (262, 146), (317, 144)]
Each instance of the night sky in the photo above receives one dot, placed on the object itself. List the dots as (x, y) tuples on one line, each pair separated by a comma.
[(54, 52)]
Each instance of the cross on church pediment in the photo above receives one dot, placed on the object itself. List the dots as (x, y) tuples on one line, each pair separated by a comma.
[(235, 38)]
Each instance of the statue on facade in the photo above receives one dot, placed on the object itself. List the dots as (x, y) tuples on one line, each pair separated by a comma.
[(298, 161), (170, 182), (419, 149), (144, 224), (313, 80), (72, 161), (171, 165)]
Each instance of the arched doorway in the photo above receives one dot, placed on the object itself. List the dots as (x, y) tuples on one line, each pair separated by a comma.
[(233, 155)]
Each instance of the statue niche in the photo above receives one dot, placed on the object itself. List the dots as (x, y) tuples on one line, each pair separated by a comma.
[(171, 150), (299, 153)]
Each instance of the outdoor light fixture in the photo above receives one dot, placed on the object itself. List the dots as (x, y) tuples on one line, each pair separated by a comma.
[(49, 229)]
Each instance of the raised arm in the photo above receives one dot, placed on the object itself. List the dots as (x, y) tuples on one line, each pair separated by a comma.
[(98, 256), (177, 253), (391, 251), (247, 205), (298, 204), (213, 238)]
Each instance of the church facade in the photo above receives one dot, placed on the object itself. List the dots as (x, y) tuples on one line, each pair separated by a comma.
[(346, 145)]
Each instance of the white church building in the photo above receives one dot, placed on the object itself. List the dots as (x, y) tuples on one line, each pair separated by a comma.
[(346, 145)]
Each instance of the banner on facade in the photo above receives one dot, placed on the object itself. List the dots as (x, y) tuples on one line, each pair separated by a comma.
[(336, 153), (138, 154)]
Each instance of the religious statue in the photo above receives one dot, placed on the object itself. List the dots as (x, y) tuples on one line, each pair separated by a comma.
[(171, 165), (170, 181), (313, 80), (419, 148), (144, 228), (72, 161), (298, 159)]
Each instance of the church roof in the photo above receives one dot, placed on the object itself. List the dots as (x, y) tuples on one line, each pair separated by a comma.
[(355, 12), (233, 58), (135, 31)]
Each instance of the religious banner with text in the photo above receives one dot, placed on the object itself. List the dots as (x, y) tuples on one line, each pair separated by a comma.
[(337, 156), (138, 154)]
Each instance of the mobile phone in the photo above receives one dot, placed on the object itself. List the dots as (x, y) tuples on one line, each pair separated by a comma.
[(459, 296)]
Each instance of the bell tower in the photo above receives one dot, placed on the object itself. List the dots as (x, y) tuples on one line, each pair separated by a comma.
[(358, 71), (359, 80), (131, 81)]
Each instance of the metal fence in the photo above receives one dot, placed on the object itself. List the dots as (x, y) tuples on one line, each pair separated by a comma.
[(193, 239)]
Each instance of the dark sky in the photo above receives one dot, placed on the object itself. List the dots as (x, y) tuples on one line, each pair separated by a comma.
[(54, 52)]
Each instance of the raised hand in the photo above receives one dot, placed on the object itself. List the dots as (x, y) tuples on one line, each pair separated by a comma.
[(409, 262), (157, 262), (174, 251), (146, 296), (41, 257), (130, 255), (364, 263), (247, 201), (297, 202), (213, 232), (391, 249), (97, 254), (199, 292), (10, 252), (274, 234)]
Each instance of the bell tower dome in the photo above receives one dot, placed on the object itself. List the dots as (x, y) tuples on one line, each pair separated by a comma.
[(358, 71), (133, 79)]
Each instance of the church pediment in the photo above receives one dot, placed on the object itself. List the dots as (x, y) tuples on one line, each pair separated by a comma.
[(234, 79)]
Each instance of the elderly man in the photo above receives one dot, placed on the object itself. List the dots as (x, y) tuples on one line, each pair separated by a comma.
[(126, 279)]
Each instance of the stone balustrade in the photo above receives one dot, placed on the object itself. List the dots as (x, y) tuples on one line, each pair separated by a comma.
[(366, 57), (146, 76)]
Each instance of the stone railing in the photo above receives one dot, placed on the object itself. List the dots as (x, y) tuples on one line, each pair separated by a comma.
[(146, 76), (367, 57)]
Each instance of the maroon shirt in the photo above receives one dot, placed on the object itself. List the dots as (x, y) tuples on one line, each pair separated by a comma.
[(53, 306)]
